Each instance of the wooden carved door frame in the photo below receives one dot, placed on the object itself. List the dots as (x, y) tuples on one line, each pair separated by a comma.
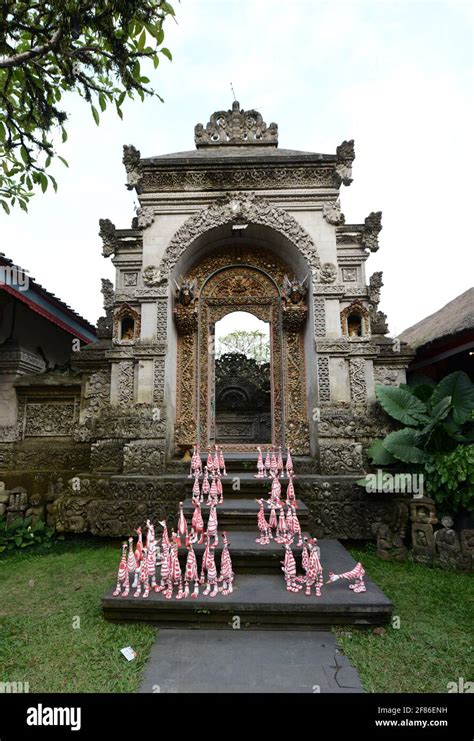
[(237, 278), (237, 288)]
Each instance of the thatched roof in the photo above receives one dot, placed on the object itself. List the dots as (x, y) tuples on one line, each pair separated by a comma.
[(452, 319)]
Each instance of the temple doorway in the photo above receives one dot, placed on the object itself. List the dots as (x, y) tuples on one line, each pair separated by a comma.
[(242, 379), (228, 397)]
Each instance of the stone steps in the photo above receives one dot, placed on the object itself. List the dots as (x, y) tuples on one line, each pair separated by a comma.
[(246, 462), (240, 514), (238, 485), (248, 557), (261, 601)]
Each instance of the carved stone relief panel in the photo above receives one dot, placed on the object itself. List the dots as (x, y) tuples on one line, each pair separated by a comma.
[(323, 379), (320, 317), (129, 279), (390, 375), (97, 392), (51, 419), (349, 275), (357, 380), (126, 382), (341, 457)]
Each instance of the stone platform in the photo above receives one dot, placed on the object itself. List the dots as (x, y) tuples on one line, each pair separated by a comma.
[(261, 601)]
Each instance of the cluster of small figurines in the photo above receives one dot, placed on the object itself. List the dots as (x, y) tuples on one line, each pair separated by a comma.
[(137, 568), (285, 527)]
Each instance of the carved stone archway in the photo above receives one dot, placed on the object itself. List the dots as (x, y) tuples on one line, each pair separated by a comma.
[(240, 279), (237, 207)]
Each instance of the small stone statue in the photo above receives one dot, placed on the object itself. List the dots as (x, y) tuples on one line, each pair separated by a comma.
[(186, 293), (294, 290)]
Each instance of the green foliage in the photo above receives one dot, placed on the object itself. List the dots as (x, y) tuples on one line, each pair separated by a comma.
[(401, 404), (21, 533), (50, 48), (40, 593), (437, 418), (403, 446), (438, 424), (429, 642), (253, 344), (461, 390), (450, 479)]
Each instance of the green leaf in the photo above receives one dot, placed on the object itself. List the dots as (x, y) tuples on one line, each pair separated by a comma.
[(43, 181), (441, 409), (403, 445), (401, 404), (167, 53), (95, 114), (102, 102), (142, 40), (167, 8), (379, 454), (24, 154), (65, 162), (459, 386), (5, 206)]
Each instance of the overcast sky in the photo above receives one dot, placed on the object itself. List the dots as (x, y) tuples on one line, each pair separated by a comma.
[(394, 76)]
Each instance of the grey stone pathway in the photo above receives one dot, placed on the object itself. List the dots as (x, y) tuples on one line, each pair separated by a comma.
[(247, 661)]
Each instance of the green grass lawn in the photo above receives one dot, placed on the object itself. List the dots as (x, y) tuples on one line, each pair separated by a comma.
[(41, 599), (434, 644), (52, 634)]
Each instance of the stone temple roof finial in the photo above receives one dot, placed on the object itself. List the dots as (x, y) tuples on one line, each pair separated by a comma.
[(236, 127)]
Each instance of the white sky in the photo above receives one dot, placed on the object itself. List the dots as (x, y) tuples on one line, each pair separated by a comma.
[(394, 76)]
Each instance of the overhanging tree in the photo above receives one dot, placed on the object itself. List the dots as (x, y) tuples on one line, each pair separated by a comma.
[(91, 47)]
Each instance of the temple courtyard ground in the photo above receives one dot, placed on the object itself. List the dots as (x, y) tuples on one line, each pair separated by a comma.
[(53, 635)]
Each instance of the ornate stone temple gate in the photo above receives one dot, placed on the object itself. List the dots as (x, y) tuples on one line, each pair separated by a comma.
[(236, 223)]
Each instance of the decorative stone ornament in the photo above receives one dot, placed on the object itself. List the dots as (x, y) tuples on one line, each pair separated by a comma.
[(236, 127), (332, 212), (145, 216), (371, 231), (151, 276), (131, 160), (345, 154), (225, 210), (108, 236), (327, 273)]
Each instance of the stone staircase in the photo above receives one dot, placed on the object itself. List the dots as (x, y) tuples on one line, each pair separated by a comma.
[(260, 599)]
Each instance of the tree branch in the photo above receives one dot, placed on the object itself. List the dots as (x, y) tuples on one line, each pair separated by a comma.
[(38, 51)]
